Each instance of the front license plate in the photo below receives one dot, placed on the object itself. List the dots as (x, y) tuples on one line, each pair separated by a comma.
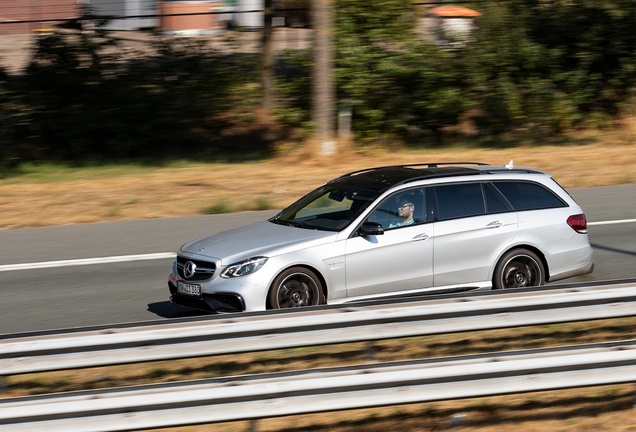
[(189, 289)]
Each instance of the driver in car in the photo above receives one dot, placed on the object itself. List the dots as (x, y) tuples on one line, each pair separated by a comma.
[(405, 212)]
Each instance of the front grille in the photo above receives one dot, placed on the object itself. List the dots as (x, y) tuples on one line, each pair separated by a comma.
[(192, 302), (204, 270)]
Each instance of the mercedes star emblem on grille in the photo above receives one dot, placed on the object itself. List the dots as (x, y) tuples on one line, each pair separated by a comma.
[(189, 269)]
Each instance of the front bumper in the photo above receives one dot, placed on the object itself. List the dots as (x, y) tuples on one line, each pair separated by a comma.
[(218, 302)]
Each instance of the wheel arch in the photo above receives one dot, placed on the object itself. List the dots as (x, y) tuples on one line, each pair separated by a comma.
[(534, 249), (313, 269)]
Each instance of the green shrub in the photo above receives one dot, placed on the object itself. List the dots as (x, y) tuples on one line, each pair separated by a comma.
[(219, 208)]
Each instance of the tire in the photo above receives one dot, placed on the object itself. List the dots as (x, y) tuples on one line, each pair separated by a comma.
[(296, 287), (518, 268)]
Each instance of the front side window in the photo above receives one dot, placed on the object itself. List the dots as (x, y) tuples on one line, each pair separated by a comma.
[(401, 209), (528, 196), (331, 207), (459, 200)]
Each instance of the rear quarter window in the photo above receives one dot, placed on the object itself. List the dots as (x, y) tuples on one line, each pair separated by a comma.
[(528, 196)]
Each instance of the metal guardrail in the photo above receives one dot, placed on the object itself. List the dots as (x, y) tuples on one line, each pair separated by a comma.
[(311, 391), (317, 326)]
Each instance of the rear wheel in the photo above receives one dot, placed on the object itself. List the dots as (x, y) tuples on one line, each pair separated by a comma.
[(296, 287), (519, 268)]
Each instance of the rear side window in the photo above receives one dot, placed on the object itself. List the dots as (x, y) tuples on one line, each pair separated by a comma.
[(459, 200), (528, 196)]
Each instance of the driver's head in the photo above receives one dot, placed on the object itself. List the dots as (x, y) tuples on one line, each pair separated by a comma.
[(406, 207)]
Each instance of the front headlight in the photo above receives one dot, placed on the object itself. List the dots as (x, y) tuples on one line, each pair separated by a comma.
[(244, 267)]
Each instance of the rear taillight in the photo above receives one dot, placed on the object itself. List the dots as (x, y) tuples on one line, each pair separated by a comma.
[(578, 223)]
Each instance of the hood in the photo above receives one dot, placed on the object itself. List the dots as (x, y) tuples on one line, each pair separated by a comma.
[(259, 239)]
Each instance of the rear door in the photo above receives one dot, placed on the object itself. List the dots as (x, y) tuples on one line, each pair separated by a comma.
[(474, 224)]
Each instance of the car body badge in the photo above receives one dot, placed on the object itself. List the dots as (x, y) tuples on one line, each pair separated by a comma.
[(189, 269)]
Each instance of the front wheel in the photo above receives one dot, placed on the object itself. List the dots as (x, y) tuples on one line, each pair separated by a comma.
[(519, 268), (296, 287)]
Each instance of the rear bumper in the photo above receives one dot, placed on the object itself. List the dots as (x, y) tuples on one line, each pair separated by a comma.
[(219, 302), (577, 271)]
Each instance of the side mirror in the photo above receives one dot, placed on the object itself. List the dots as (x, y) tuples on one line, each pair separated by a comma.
[(371, 228)]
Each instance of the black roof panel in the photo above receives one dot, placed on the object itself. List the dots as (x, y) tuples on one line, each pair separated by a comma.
[(385, 177)]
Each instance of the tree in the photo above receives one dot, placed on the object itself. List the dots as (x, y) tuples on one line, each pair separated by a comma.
[(323, 98), (267, 72), (399, 83)]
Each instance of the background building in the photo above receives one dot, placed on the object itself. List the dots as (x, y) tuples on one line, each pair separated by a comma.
[(34, 10), (122, 8), (452, 25)]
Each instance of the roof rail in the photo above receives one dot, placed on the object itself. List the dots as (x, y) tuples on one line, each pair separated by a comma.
[(427, 165), (499, 170)]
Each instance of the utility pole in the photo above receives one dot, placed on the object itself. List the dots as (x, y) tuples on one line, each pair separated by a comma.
[(267, 74), (323, 100)]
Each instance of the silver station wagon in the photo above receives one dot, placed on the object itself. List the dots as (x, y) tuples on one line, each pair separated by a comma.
[(392, 231)]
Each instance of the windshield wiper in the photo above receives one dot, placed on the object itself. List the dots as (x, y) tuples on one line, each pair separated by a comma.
[(287, 223)]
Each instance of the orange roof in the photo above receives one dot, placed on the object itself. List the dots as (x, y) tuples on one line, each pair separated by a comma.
[(453, 11)]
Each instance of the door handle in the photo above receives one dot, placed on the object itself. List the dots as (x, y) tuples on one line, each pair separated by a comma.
[(495, 224), (420, 237)]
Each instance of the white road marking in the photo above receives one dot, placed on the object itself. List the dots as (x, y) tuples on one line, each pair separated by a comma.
[(612, 222), (162, 255), (87, 261)]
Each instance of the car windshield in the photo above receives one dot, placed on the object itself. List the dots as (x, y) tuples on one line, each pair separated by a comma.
[(331, 207)]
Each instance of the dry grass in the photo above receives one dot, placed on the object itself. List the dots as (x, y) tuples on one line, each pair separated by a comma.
[(607, 409), (108, 194), (591, 409)]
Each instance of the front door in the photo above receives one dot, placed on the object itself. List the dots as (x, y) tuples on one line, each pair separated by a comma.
[(399, 260)]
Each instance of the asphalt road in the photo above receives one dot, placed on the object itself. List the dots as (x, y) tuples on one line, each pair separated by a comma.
[(85, 295)]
